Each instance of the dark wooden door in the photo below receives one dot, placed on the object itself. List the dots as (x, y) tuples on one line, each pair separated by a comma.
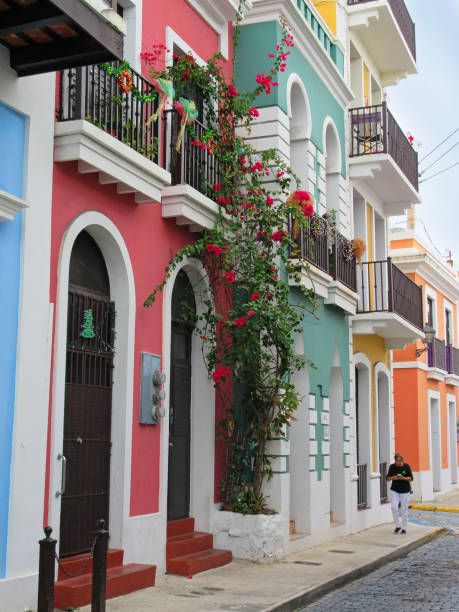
[(88, 411), (183, 310), (178, 498)]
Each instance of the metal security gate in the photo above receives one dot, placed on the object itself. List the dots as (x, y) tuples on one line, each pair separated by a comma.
[(88, 412)]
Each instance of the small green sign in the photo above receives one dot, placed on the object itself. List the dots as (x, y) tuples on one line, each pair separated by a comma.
[(87, 328)]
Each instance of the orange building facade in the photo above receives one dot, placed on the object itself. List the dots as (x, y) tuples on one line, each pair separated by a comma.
[(426, 376)]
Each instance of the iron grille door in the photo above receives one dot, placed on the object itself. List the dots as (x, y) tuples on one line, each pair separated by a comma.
[(87, 420)]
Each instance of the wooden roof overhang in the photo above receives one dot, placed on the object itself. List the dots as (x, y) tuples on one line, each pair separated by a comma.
[(48, 35)]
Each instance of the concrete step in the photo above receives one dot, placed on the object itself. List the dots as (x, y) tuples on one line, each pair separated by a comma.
[(191, 564), (121, 580), (180, 526), (82, 564), (188, 543)]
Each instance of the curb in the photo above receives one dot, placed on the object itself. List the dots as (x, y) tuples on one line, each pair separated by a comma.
[(428, 508), (310, 595)]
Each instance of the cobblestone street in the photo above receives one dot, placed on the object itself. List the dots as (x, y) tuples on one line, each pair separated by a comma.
[(427, 580)]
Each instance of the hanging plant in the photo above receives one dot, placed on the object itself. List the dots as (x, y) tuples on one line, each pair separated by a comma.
[(304, 203), (347, 249), (358, 249)]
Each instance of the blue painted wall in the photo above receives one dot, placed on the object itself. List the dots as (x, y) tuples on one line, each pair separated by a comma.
[(12, 156)]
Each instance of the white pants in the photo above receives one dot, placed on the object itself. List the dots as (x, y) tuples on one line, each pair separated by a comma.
[(402, 512)]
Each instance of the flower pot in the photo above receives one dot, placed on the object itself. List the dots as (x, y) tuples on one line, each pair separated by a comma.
[(254, 537)]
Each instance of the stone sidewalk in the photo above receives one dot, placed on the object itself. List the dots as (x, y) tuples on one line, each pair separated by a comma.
[(282, 586)]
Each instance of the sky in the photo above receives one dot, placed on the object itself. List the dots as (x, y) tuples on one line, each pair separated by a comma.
[(427, 106)]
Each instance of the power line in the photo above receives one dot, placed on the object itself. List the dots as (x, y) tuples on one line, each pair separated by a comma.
[(439, 158), (439, 145), (439, 172)]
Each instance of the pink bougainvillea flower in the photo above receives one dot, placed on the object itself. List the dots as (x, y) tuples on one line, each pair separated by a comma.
[(250, 313), (257, 167), (254, 112), (247, 205), (240, 322), (221, 373), (223, 200), (280, 174), (271, 55), (213, 248), (308, 210), (255, 295), (277, 236), (261, 234), (217, 187), (269, 200), (232, 91), (230, 276), (242, 160)]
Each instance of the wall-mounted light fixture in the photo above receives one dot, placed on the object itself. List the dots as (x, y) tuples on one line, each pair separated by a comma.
[(429, 338)]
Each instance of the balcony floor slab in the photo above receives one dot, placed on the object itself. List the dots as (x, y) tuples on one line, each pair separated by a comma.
[(97, 151), (396, 331), (380, 173), (189, 207), (436, 374), (452, 380)]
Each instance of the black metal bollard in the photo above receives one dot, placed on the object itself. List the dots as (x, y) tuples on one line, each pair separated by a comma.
[(99, 568), (46, 573)]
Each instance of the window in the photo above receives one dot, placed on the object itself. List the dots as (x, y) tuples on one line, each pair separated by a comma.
[(430, 311), (449, 335), (185, 90)]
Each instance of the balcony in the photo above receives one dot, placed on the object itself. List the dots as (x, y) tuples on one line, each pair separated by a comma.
[(382, 156), (388, 33), (443, 362), (452, 365), (107, 132), (390, 304), (48, 35), (193, 171), (331, 274)]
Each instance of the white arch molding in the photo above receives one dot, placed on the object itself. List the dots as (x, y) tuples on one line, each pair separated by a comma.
[(383, 416), (202, 407), (122, 292), (363, 410), (300, 127), (332, 151)]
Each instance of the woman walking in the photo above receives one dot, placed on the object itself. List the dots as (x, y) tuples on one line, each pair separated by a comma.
[(401, 476)]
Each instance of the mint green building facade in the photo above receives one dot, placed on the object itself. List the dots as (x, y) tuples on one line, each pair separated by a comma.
[(305, 117)]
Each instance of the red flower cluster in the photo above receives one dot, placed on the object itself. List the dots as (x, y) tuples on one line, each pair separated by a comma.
[(277, 236), (230, 276), (224, 201), (217, 187), (250, 313), (213, 248), (232, 91), (257, 167), (199, 143), (308, 210), (254, 112), (240, 322), (150, 57), (254, 296), (266, 81), (269, 200), (221, 373)]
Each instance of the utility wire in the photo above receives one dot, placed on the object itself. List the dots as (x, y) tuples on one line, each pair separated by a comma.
[(439, 172), (439, 158), (439, 145)]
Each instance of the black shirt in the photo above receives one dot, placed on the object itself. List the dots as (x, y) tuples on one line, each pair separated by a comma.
[(400, 486)]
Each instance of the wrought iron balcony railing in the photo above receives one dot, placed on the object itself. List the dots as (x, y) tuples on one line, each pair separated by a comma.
[(403, 19), (192, 164), (452, 360), (374, 130), (90, 93), (328, 253), (383, 287), (436, 354)]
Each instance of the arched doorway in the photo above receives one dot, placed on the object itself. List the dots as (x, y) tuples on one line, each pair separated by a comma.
[(337, 481), (179, 470), (384, 437), (363, 429), (88, 397)]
